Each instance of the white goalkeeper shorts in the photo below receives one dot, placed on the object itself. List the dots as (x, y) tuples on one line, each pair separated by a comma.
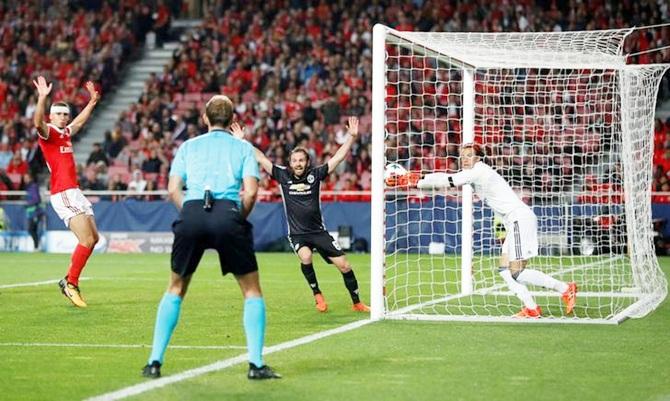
[(521, 239), (70, 203)]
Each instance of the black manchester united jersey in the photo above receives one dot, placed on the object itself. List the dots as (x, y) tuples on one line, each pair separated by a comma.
[(301, 197)]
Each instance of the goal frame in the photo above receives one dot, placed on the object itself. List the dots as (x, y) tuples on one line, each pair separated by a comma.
[(378, 219)]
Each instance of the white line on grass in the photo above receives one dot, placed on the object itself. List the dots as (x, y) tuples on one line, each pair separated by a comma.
[(35, 283), (67, 345), (222, 364)]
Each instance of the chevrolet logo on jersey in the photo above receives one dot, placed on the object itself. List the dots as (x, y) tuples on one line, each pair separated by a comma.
[(299, 187)]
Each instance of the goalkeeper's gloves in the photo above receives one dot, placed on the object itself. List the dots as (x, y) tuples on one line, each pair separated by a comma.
[(409, 179)]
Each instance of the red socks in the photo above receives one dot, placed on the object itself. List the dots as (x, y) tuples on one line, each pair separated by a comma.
[(79, 258)]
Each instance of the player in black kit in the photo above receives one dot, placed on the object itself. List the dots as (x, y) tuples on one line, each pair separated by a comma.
[(301, 188)]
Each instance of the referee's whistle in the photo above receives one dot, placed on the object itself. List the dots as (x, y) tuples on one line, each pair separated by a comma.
[(208, 200)]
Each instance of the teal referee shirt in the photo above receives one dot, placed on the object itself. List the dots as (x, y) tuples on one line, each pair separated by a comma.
[(218, 160)]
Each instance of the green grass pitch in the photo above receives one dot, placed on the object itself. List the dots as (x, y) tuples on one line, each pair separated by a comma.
[(50, 350)]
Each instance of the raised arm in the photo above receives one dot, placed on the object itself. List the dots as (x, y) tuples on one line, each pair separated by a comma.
[(444, 180), (352, 128), (263, 161), (436, 181), (81, 119), (43, 90)]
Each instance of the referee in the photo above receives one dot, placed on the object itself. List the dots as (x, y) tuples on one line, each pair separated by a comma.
[(213, 168), (301, 191)]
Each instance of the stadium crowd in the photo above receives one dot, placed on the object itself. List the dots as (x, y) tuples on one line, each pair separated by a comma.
[(297, 69), (68, 42)]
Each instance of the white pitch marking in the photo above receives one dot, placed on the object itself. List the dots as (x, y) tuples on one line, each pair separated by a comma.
[(68, 345), (36, 283), (219, 365)]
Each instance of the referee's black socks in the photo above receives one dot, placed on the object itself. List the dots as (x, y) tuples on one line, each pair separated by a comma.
[(310, 276), (352, 285)]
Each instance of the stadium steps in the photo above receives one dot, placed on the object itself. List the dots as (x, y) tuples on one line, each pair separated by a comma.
[(132, 86)]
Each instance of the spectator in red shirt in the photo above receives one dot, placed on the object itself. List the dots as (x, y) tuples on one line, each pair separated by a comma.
[(17, 165)]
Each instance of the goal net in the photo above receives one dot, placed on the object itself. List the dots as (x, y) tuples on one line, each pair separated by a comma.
[(569, 126)]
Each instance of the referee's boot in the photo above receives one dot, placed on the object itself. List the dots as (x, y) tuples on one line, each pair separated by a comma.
[(152, 370), (262, 373), (72, 293)]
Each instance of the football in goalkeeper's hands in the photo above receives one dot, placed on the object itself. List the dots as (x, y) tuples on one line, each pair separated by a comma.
[(392, 174)]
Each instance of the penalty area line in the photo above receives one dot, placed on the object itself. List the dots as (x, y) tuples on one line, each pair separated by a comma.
[(220, 365), (36, 283)]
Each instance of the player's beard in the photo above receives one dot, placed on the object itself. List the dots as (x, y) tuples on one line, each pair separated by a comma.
[(301, 173)]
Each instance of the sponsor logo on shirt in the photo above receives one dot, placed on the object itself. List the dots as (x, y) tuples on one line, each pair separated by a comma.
[(66, 149), (299, 189)]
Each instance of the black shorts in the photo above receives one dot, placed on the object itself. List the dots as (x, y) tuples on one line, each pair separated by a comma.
[(321, 242), (222, 228)]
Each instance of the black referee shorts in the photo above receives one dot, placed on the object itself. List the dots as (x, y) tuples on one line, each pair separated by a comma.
[(322, 242), (222, 228)]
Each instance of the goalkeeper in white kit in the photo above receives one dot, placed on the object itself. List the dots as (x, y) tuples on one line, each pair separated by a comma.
[(520, 223)]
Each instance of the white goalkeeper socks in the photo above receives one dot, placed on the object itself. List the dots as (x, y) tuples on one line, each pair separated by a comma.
[(530, 276), (518, 289)]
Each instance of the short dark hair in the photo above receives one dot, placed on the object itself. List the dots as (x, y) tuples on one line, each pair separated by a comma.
[(300, 149), (476, 148), (219, 111)]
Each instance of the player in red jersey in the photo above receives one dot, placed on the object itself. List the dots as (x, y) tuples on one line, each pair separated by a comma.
[(66, 198)]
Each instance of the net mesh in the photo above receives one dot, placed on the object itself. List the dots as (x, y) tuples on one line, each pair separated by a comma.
[(575, 144)]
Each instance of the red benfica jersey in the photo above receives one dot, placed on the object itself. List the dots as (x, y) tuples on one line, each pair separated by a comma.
[(60, 159)]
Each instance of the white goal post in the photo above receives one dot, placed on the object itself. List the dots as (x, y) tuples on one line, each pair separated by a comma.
[(565, 121)]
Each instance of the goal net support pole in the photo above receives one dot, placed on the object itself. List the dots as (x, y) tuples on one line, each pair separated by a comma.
[(467, 195), (378, 226)]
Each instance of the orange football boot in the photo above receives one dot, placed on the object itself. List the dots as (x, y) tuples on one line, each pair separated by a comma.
[(526, 313), (570, 297), (360, 307), (321, 304)]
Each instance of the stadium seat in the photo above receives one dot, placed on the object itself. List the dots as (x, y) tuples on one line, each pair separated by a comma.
[(150, 176), (192, 97), (15, 178), (121, 170), (184, 106)]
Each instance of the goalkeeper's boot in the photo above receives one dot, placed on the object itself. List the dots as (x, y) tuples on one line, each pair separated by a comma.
[(360, 307), (72, 293), (570, 297), (152, 370), (529, 313), (262, 373), (321, 304)]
